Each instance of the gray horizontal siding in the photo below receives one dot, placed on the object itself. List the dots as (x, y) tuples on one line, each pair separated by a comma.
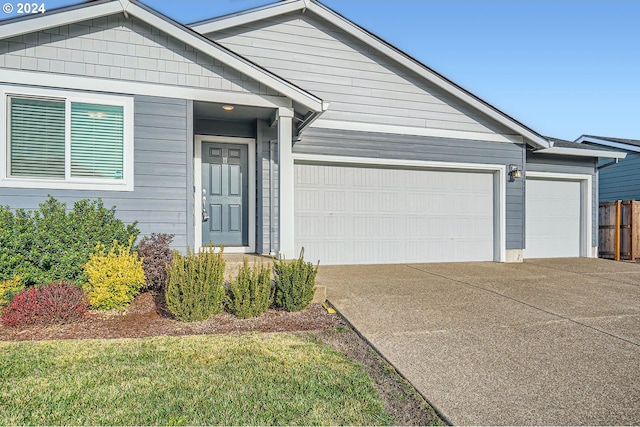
[(389, 146), (573, 165), (159, 201), (621, 181), (119, 48), (360, 84)]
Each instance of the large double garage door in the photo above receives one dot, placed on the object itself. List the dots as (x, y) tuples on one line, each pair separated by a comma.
[(362, 215)]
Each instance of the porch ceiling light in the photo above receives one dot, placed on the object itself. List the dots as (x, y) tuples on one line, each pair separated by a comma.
[(228, 107)]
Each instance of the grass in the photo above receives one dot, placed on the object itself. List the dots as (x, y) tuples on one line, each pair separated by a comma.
[(255, 379)]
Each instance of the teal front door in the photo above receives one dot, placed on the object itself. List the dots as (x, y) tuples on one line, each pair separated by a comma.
[(225, 191)]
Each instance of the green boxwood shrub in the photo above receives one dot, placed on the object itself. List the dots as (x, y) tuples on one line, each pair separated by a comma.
[(51, 243), (195, 286), (294, 283), (250, 292)]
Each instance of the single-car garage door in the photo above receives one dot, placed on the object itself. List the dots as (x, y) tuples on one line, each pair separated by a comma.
[(366, 215), (553, 214)]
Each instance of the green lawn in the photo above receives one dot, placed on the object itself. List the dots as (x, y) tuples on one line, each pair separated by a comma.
[(257, 379)]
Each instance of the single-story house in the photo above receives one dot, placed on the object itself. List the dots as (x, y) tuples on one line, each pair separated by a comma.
[(618, 180), (282, 127)]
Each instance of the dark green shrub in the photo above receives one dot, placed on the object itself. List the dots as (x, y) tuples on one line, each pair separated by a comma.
[(294, 283), (60, 302), (156, 254), (51, 243), (250, 292), (195, 285)]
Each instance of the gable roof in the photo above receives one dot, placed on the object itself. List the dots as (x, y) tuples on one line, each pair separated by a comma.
[(617, 143), (315, 7), (102, 8), (568, 148)]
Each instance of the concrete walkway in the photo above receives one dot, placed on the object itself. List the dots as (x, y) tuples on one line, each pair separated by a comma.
[(546, 342)]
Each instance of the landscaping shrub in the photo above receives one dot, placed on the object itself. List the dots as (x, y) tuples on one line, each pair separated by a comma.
[(114, 278), (250, 293), (59, 302), (195, 285), (8, 288), (156, 254), (294, 283), (51, 243)]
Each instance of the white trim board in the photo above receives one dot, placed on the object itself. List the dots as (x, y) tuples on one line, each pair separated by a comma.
[(406, 130), (197, 176), (499, 184), (586, 190), (63, 81)]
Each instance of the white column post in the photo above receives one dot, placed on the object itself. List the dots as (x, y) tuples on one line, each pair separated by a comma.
[(285, 183)]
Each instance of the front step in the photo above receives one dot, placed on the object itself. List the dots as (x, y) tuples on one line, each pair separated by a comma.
[(234, 263)]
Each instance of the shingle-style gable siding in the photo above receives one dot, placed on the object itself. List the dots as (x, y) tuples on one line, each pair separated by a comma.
[(621, 181), (360, 84), (124, 49)]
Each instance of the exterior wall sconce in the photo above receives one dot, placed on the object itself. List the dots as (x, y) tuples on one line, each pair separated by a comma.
[(514, 173)]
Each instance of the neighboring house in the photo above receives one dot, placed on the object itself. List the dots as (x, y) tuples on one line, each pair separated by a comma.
[(282, 127), (618, 180)]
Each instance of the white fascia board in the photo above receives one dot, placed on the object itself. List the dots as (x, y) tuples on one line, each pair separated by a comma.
[(63, 81), (39, 23), (223, 55), (613, 144), (579, 152), (249, 16), (426, 73)]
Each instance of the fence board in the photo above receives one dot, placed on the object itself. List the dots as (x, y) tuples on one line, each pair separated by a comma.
[(619, 230)]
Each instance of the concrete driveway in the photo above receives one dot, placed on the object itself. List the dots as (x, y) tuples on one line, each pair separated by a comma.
[(546, 342)]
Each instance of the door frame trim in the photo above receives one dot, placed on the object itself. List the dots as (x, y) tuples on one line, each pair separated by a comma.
[(586, 202), (197, 177)]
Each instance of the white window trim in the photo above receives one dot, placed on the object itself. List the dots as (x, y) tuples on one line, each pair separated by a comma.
[(68, 183)]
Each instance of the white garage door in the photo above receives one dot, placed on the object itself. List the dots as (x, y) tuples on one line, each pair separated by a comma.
[(366, 215), (553, 218)]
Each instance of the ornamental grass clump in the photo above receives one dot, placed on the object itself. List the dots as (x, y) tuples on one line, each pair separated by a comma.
[(250, 292), (294, 283), (60, 302), (195, 285), (114, 278)]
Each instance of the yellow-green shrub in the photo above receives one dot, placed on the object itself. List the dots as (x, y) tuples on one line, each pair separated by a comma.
[(8, 288), (114, 278)]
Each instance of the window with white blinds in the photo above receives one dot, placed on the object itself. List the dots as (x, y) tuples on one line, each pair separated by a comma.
[(97, 140), (37, 137), (75, 140)]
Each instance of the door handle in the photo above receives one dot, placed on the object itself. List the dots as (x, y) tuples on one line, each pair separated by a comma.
[(205, 214)]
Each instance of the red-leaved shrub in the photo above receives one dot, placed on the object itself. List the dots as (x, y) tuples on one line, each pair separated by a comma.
[(59, 302), (156, 253)]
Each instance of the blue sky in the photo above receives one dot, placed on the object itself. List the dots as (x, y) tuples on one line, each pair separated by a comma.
[(563, 67)]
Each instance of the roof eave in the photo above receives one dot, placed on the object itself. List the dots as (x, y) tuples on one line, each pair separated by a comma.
[(578, 152), (587, 139), (248, 16), (63, 16)]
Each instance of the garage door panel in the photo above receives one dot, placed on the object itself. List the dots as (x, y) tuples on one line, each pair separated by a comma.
[(553, 211), (393, 215)]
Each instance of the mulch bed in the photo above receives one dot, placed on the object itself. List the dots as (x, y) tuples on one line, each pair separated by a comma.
[(147, 316)]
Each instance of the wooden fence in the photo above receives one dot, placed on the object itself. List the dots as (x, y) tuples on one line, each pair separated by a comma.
[(619, 230)]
